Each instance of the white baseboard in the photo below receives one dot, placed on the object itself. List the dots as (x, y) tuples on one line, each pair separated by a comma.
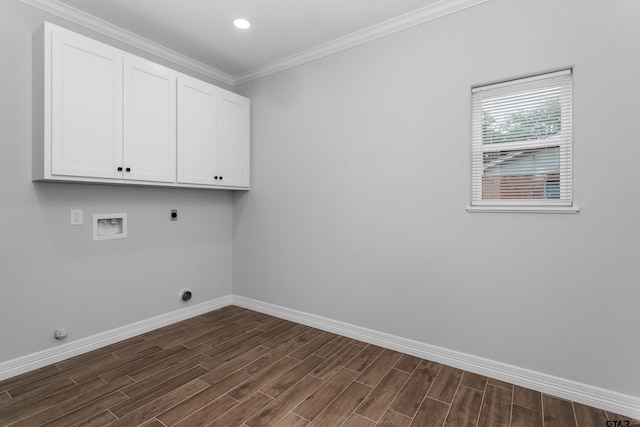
[(578, 392), (46, 357), (608, 400)]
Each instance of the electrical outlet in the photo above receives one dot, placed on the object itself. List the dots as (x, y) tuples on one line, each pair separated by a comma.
[(76, 216)]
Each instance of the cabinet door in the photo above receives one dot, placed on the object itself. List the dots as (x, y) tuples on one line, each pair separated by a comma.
[(233, 142), (149, 121), (197, 132), (86, 108)]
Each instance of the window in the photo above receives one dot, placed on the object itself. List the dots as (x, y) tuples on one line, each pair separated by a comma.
[(521, 145)]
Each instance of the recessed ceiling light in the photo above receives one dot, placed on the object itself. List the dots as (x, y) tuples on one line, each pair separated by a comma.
[(242, 24)]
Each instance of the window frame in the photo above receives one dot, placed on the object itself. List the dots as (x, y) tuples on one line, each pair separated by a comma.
[(563, 140)]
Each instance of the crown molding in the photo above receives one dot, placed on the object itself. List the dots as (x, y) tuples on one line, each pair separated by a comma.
[(403, 22), (120, 34), (400, 23)]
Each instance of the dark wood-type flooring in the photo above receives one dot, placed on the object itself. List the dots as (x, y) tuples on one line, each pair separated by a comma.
[(235, 367)]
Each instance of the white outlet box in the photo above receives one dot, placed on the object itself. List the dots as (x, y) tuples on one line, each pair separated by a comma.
[(109, 226), (76, 216)]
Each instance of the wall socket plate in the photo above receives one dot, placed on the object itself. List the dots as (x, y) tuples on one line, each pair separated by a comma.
[(76, 216), (174, 215)]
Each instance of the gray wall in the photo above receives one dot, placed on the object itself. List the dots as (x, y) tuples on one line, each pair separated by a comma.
[(360, 181), (52, 273), (361, 176)]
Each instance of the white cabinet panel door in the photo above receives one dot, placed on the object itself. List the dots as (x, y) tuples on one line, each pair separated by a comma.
[(111, 117), (197, 132), (86, 114), (149, 121), (234, 140)]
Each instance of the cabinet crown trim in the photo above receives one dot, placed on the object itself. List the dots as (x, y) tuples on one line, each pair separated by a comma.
[(420, 16), (120, 34)]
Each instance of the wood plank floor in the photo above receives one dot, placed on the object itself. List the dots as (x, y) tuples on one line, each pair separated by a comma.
[(236, 367)]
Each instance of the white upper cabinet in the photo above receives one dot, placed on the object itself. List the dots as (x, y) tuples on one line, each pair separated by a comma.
[(86, 107), (149, 121), (233, 143), (197, 132), (213, 135), (111, 117)]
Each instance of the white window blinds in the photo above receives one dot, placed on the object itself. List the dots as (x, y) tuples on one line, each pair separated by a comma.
[(521, 142)]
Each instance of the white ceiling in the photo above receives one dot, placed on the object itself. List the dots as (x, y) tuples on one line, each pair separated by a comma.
[(283, 32)]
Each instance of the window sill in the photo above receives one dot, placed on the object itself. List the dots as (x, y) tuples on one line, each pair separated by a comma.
[(525, 209)]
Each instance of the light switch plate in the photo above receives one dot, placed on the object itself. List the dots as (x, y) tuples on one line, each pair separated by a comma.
[(76, 216)]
